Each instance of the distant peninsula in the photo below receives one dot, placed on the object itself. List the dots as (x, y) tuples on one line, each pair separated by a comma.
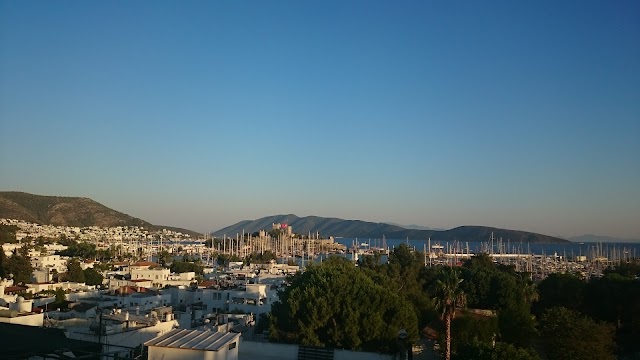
[(371, 230)]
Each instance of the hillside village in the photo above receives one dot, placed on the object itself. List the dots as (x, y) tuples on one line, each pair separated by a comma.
[(135, 300)]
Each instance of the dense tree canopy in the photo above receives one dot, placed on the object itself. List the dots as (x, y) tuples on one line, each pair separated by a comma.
[(491, 286), (18, 265), (613, 298), (92, 277), (261, 258), (572, 336), (74, 271), (83, 250), (558, 289), (185, 266), (328, 305), (335, 304), (501, 351), (8, 234)]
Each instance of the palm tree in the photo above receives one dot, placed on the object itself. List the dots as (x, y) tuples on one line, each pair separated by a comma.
[(448, 295)]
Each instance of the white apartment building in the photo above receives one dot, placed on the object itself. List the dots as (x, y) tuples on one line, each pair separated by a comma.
[(123, 329), (50, 263), (157, 276), (135, 303), (250, 298), (66, 285)]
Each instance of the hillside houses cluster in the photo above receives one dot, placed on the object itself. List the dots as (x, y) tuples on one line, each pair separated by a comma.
[(139, 302), (90, 233)]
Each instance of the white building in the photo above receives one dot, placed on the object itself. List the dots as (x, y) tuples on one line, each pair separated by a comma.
[(122, 331), (50, 262), (250, 298), (158, 276), (181, 344), (20, 312), (65, 285)]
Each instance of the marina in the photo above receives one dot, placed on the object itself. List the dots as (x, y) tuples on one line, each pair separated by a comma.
[(538, 259)]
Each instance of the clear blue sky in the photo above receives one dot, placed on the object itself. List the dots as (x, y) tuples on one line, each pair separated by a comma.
[(199, 114)]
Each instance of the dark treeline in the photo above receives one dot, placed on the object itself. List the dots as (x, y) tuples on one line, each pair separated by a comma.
[(337, 304)]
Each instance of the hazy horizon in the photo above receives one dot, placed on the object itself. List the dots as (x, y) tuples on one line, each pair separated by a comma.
[(201, 114)]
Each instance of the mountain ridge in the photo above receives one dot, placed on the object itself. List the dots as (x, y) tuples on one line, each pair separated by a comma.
[(365, 229), (69, 211)]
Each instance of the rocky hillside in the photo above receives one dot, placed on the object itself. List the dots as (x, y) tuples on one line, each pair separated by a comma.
[(68, 211)]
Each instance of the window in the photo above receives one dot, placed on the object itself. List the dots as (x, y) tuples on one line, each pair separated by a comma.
[(232, 346)]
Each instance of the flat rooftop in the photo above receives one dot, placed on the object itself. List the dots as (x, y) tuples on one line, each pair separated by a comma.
[(193, 340)]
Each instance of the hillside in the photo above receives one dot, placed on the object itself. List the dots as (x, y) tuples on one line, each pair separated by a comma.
[(363, 229), (68, 211)]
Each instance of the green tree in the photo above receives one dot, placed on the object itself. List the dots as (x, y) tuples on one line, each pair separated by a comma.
[(448, 296), (469, 328), (164, 258), (92, 277), (3, 264), (517, 325), (61, 296), (491, 286), (261, 258), (615, 298), (569, 335), (559, 289), (74, 271), (501, 351), (184, 266), (334, 304), (60, 301), (370, 261), (83, 250), (8, 234), (18, 265)]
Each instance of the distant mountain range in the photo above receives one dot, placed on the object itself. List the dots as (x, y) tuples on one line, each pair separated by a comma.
[(415, 227), (370, 230), (69, 211), (82, 212)]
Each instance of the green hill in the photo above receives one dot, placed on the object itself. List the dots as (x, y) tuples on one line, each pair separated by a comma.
[(68, 211)]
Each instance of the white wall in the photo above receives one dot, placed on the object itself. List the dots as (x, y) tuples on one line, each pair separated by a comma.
[(30, 320), (131, 338), (268, 351), (75, 296), (163, 353), (359, 355)]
